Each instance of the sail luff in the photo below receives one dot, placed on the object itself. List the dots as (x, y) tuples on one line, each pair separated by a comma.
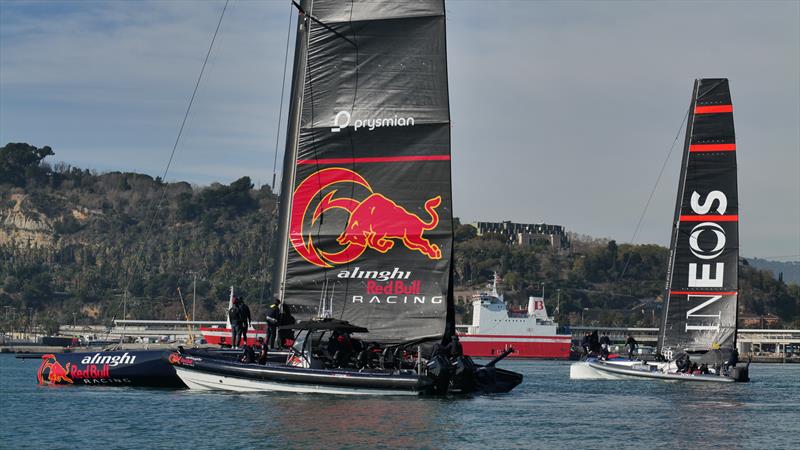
[(290, 153), (676, 219), (450, 322)]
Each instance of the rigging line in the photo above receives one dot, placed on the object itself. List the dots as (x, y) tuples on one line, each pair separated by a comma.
[(271, 223), (157, 206), (652, 192), (280, 109)]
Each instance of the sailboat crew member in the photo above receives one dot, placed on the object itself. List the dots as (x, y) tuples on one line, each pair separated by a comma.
[(233, 317), (631, 344), (244, 319), (273, 319)]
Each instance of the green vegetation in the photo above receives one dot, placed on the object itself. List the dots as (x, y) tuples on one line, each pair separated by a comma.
[(72, 241)]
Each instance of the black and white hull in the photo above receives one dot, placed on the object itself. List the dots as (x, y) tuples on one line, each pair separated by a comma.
[(213, 374)]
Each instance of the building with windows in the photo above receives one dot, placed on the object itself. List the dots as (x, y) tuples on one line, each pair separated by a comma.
[(527, 233)]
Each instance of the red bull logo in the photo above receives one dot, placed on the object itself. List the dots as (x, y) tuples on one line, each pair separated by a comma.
[(177, 360), (52, 372), (376, 222)]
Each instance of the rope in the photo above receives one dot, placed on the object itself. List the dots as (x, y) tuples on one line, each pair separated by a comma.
[(652, 192), (283, 89), (158, 205)]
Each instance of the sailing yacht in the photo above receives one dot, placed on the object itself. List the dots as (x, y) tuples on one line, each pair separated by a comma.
[(697, 336), (365, 257)]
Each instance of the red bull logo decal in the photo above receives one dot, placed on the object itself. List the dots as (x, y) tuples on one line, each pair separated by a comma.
[(52, 372), (376, 222)]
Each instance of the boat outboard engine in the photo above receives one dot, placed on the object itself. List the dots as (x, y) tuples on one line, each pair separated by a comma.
[(440, 372), (740, 374), (464, 374), (439, 369)]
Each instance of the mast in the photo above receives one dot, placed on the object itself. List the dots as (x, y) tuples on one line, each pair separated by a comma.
[(290, 154), (676, 218)]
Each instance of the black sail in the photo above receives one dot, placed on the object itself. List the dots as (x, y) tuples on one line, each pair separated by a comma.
[(700, 308), (367, 209)]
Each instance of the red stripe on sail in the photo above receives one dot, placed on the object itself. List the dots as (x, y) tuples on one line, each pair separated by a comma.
[(713, 109), (375, 159), (710, 218), (701, 293), (712, 147)]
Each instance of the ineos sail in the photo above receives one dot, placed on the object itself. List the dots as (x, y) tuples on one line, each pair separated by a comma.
[(366, 192), (700, 310)]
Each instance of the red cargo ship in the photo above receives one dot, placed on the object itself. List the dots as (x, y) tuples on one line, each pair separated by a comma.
[(495, 328)]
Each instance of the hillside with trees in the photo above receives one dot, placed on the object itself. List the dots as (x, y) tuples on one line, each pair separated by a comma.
[(73, 242)]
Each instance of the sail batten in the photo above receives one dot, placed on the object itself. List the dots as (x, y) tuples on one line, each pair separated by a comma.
[(700, 307), (370, 221)]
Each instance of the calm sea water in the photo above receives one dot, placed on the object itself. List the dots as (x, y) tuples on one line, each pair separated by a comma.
[(546, 411)]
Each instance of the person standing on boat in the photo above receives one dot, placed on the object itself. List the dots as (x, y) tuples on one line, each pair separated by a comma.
[(244, 319), (273, 320), (285, 335), (594, 342), (455, 348), (631, 344), (233, 317), (605, 341), (585, 344)]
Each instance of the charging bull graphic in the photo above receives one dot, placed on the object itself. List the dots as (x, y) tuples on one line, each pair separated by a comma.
[(376, 222), (56, 373)]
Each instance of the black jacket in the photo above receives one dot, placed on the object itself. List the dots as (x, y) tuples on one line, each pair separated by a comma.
[(274, 316), (244, 315)]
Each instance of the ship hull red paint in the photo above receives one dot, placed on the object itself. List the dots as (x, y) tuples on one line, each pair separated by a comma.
[(489, 346)]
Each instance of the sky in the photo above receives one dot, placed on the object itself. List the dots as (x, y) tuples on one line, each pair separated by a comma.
[(562, 112)]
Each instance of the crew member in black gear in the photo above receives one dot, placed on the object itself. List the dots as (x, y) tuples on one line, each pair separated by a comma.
[(262, 354), (286, 318), (340, 348), (585, 344), (605, 341), (233, 317), (273, 320), (244, 318), (594, 342), (248, 355), (731, 362), (631, 345), (454, 347)]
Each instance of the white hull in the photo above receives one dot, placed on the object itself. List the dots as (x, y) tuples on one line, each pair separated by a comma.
[(583, 371), (211, 382), (624, 370)]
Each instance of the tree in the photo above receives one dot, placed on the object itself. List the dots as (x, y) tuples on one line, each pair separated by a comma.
[(21, 161)]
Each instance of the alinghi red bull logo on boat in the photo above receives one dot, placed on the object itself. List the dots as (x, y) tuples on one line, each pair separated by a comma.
[(375, 222), (112, 361)]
